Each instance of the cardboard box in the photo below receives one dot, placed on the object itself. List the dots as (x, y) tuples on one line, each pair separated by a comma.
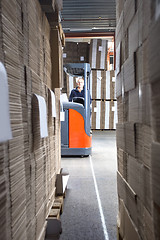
[(83, 52), (127, 228), (156, 219), (129, 73), (153, 48), (145, 104), (76, 52), (119, 31), (145, 66), (155, 167), (147, 189), (147, 221), (120, 136), (143, 144), (120, 109), (97, 79), (129, 197), (61, 181), (135, 180), (104, 114), (133, 35), (98, 54), (146, 16), (102, 84), (70, 53), (130, 140), (122, 159), (134, 105), (119, 8), (129, 13), (119, 82), (155, 98)]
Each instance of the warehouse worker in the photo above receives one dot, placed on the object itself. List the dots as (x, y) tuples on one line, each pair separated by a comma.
[(78, 91)]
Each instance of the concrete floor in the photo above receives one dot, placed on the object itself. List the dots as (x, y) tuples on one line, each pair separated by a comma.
[(90, 206)]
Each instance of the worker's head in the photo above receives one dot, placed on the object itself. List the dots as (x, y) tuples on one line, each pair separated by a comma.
[(80, 83)]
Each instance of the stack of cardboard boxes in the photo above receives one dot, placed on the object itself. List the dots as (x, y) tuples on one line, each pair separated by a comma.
[(29, 162), (102, 82), (102, 87), (137, 82), (104, 104)]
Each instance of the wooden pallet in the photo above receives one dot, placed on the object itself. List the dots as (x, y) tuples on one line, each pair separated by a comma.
[(58, 203), (54, 214)]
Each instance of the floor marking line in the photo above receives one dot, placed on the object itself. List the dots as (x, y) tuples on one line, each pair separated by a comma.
[(99, 202)]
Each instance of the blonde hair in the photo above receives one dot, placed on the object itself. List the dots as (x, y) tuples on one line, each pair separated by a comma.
[(78, 78)]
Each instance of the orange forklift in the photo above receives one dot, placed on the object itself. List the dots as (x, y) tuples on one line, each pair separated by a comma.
[(76, 137)]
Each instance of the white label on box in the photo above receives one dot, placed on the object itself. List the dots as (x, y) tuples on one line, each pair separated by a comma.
[(107, 110), (118, 54), (113, 109), (94, 53), (5, 126), (100, 49), (91, 84), (115, 115), (42, 116), (113, 79), (157, 9), (95, 109), (53, 101), (107, 85), (64, 55), (103, 55), (98, 115), (65, 181), (82, 58), (62, 116), (99, 78)]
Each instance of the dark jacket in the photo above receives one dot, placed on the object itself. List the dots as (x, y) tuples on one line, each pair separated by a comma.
[(76, 93)]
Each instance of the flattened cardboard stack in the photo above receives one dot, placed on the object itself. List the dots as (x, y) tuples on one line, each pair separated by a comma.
[(3, 197), (137, 84), (29, 164), (17, 202)]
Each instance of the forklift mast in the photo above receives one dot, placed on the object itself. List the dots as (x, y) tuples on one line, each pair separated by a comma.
[(75, 130)]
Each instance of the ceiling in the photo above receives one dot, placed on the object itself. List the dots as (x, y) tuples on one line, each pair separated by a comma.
[(95, 16)]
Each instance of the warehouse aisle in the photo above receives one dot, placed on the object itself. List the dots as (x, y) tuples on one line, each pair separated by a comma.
[(90, 206)]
